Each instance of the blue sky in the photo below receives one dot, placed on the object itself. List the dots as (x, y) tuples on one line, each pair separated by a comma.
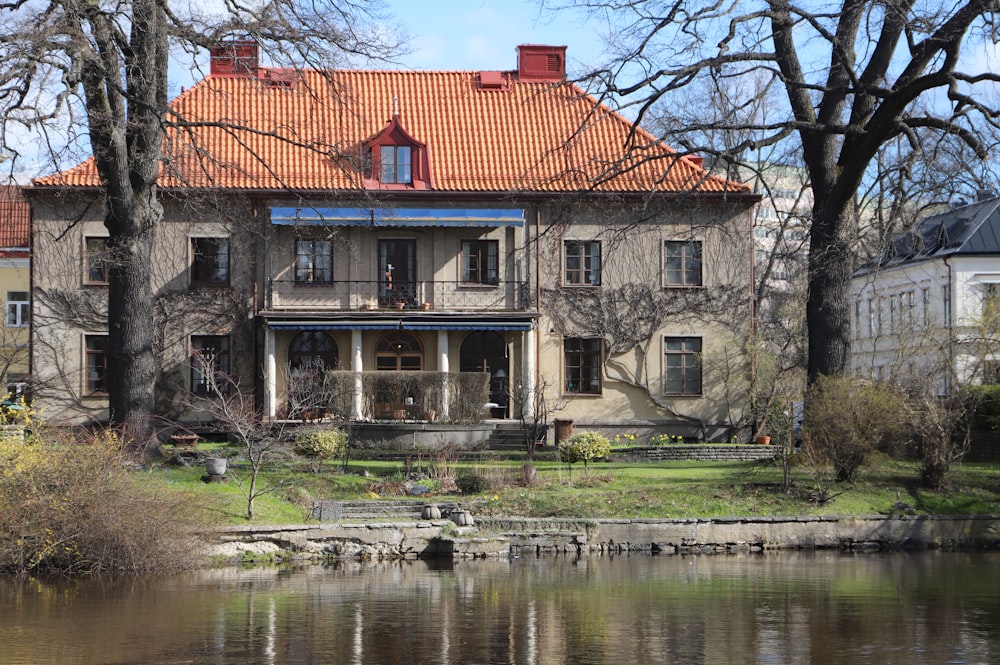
[(483, 34)]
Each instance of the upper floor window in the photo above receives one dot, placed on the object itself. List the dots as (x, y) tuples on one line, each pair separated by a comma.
[(97, 364), (682, 263), (96, 259), (682, 365), (583, 262), (395, 164), (582, 361), (209, 364), (210, 261), (480, 261), (313, 261), (18, 309)]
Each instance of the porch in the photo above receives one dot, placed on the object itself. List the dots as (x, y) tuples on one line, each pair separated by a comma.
[(369, 295)]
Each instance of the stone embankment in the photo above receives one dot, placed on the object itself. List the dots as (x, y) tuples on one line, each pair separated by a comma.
[(514, 536)]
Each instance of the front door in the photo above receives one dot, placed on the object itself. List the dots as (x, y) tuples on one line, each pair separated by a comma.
[(398, 273)]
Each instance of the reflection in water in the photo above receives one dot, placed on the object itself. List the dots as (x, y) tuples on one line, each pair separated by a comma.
[(794, 608)]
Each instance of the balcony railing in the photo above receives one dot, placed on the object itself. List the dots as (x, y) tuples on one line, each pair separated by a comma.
[(417, 295)]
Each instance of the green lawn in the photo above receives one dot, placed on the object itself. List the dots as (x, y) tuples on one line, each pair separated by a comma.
[(605, 489)]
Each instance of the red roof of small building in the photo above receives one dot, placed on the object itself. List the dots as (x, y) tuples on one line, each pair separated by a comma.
[(282, 130), (15, 220)]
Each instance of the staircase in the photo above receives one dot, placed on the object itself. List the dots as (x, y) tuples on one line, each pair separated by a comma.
[(508, 435)]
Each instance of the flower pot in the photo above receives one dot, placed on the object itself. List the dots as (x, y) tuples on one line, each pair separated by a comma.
[(762, 440), (399, 414), (216, 466), (431, 415), (431, 512), (425, 306), (399, 305)]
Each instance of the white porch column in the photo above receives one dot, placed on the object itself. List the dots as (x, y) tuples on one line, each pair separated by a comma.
[(270, 374), (357, 366), (528, 363), (443, 367)]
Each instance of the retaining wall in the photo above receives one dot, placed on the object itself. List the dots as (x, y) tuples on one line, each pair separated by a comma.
[(495, 537), (699, 452)]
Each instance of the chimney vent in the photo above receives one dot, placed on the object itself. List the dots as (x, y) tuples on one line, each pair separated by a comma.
[(237, 58), (537, 62)]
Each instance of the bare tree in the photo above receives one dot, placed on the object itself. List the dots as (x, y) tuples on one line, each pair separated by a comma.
[(854, 78), (73, 73)]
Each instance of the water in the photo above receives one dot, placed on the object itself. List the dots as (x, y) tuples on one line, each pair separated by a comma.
[(794, 608)]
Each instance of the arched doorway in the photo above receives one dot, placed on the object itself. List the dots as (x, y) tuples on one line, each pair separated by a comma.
[(486, 351), (398, 397), (399, 350), (311, 353)]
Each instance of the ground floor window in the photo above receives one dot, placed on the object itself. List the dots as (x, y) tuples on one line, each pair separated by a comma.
[(682, 367), (209, 364), (582, 360), (97, 364)]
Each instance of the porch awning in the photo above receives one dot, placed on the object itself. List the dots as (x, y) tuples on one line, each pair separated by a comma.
[(389, 217), (399, 325)]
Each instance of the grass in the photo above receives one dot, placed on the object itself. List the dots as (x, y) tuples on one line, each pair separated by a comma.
[(604, 490)]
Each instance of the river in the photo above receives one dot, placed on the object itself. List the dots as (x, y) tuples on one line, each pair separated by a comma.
[(782, 608)]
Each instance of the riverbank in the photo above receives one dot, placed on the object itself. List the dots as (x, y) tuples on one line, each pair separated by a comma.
[(520, 536)]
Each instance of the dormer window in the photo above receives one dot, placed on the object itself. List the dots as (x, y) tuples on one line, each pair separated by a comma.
[(395, 160), (396, 164)]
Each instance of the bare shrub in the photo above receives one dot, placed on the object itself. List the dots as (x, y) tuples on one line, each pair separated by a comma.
[(71, 506), (941, 427), (846, 419)]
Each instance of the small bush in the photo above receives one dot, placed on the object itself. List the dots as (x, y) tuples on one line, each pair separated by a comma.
[(320, 444), (71, 506), (847, 419), (584, 447), (472, 484)]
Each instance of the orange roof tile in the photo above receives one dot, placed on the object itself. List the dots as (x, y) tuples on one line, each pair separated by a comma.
[(15, 218), (244, 132)]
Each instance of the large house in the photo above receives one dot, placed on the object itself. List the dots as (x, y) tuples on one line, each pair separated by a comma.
[(15, 284), (928, 309), (452, 222)]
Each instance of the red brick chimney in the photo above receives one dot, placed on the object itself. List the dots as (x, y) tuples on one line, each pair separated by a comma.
[(237, 57), (537, 62)]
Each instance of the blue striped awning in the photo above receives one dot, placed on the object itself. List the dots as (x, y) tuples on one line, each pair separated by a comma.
[(401, 324), (387, 217)]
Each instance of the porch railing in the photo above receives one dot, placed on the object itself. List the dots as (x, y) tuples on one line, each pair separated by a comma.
[(420, 294)]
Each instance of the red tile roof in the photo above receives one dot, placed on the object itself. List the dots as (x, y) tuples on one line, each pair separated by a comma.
[(15, 218), (307, 136)]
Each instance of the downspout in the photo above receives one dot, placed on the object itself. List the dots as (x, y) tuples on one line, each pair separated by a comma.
[(538, 304), (950, 312)]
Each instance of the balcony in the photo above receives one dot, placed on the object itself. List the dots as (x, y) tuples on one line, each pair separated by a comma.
[(452, 296)]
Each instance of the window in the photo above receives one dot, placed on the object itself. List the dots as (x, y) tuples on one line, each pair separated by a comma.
[(583, 262), (313, 261), (96, 250), (97, 364), (396, 164), (946, 305), (925, 295), (480, 261), (683, 263), (209, 364), (991, 305), (210, 261), (683, 365), (857, 319), (871, 317), (18, 309), (583, 365)]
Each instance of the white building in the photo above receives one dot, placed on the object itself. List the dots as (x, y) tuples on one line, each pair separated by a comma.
[(927, 309)]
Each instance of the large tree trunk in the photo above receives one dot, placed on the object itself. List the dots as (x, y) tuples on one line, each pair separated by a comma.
[(127, 139), (831, 264), (131, 367)]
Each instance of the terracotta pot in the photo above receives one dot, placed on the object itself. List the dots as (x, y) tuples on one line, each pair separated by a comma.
[(762, 440), (400, 305), (425, 306)]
